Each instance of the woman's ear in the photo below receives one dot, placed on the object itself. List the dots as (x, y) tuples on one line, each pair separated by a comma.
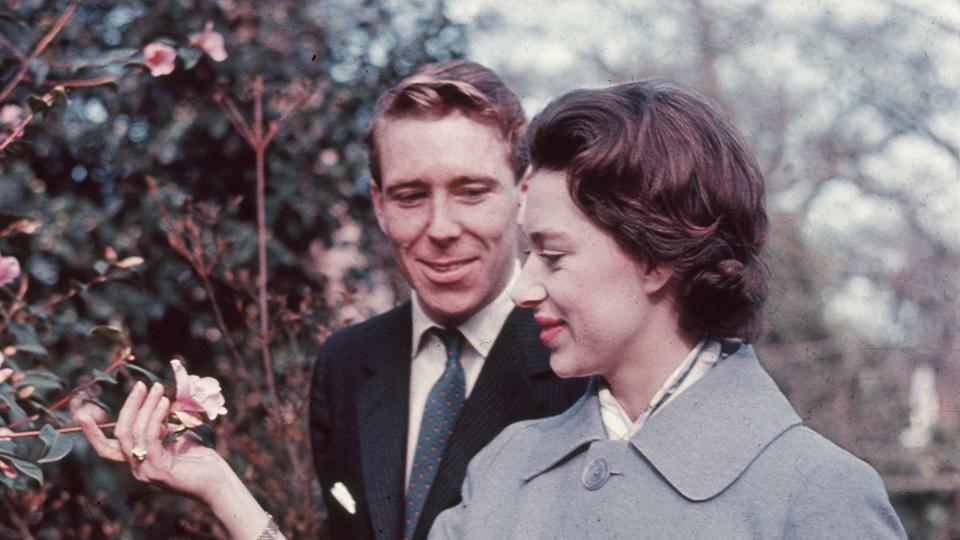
[(655, 278)]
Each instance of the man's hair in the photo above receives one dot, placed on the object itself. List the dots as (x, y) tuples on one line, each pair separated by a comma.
[(668, 177), (439, 89)]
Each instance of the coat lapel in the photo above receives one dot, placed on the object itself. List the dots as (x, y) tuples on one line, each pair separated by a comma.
[(704, 440), (499, 397), (382, 404)]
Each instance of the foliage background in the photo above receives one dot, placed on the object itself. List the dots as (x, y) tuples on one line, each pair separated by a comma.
[(83, 178)]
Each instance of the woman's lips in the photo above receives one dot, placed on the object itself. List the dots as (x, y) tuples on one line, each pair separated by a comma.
[(551, 328), (445, 272)]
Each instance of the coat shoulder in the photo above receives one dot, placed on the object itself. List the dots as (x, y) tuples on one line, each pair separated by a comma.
[(828, 487)]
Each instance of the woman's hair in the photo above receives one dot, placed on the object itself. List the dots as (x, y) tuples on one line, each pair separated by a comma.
[(439, 89), (670, 179)]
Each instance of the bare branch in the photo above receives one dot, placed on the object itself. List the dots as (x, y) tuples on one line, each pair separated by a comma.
[(41, 45)]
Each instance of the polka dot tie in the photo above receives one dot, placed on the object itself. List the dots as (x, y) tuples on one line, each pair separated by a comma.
[(439, 415)]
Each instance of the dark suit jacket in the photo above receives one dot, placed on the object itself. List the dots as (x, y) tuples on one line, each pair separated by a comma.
[(359, 408)]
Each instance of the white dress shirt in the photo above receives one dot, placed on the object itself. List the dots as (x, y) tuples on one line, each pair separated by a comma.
[(697, 363), (430, 357)]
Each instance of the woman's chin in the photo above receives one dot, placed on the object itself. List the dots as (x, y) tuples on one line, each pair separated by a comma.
[(565, 368)]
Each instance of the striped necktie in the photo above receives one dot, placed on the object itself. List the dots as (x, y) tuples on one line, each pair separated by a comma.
[(439, 416)]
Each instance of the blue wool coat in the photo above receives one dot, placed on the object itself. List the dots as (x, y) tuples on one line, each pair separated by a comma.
[(728, 459)]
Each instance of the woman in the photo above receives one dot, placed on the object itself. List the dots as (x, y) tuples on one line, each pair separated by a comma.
[(646, 218)]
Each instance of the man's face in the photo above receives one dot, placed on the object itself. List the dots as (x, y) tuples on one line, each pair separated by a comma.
[(448, 203)]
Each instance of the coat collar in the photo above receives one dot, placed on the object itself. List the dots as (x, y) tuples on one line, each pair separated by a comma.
[(701, 442)]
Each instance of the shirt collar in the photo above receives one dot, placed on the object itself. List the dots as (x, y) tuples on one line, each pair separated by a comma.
[(616, 420), (481, 329), (701, 443)]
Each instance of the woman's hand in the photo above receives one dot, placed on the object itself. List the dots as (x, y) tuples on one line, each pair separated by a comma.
[(184, 465)]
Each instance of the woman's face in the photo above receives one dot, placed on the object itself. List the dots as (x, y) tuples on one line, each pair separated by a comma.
[(590, 298)]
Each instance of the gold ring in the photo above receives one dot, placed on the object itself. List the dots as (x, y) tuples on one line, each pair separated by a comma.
[(139, 454)]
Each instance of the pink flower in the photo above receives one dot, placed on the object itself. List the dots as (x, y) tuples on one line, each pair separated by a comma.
[(11, 114), (9, 270), (5, 373), (196, 396), (5, 467), (210, 42), (159, 58)]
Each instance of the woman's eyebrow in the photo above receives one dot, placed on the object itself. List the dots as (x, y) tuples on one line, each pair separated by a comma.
[(541, 236)]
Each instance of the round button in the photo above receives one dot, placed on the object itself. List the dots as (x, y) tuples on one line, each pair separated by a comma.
[(596, 474)]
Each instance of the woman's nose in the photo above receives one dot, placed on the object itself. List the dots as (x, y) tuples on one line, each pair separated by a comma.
[(528, 291)]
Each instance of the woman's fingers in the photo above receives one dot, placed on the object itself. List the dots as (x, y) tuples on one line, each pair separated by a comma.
[(144, 413), (128, 413), (154, 431), (104, 447)]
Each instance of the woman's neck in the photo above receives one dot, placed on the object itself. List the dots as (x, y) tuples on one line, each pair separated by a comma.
[(636, 380)]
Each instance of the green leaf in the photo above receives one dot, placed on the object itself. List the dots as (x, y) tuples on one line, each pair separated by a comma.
[(25, 339), (18, 149), (39, 69), (7, 481), (16, 411), (27, 468), (204, 435), (145, 372), (112, 334), (47, 435), (42, 379), (95, 401), (37, 104), (115, 56), (59, 448), (8, 447), (101, 267), (190, 56), (102, 376)]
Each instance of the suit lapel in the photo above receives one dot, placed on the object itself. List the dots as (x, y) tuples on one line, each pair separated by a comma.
[(382, 404), (499, 398)]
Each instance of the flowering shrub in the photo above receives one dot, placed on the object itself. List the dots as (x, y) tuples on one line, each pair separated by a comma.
[(136, 202)]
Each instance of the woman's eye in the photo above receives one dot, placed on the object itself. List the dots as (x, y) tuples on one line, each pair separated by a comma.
[(550, 258)]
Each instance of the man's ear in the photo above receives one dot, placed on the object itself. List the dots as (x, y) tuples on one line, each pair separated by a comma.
[(377, 197), (655, 278)]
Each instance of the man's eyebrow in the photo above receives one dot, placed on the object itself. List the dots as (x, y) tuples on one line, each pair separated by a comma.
[(464, 180), (407, 184)]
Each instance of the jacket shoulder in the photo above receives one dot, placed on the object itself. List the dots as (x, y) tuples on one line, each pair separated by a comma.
[(835, 494)]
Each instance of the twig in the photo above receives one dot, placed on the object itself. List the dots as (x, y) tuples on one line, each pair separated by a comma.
[(23, 434), (5, 41), (84, 83), (17, 131), (41, 45), (65, 399), (260, 150)]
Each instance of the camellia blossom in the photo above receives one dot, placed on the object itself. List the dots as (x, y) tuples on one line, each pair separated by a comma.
[(11, 114), (159, 57), (5, 467), (196, 396), (210, 42), (9, 270), (5, 373)]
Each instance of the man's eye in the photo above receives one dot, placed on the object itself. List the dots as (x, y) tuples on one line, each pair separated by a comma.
[(408, 197), (474, 194)]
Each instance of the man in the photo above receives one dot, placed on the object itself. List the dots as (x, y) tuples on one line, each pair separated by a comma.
[(399, 404)]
